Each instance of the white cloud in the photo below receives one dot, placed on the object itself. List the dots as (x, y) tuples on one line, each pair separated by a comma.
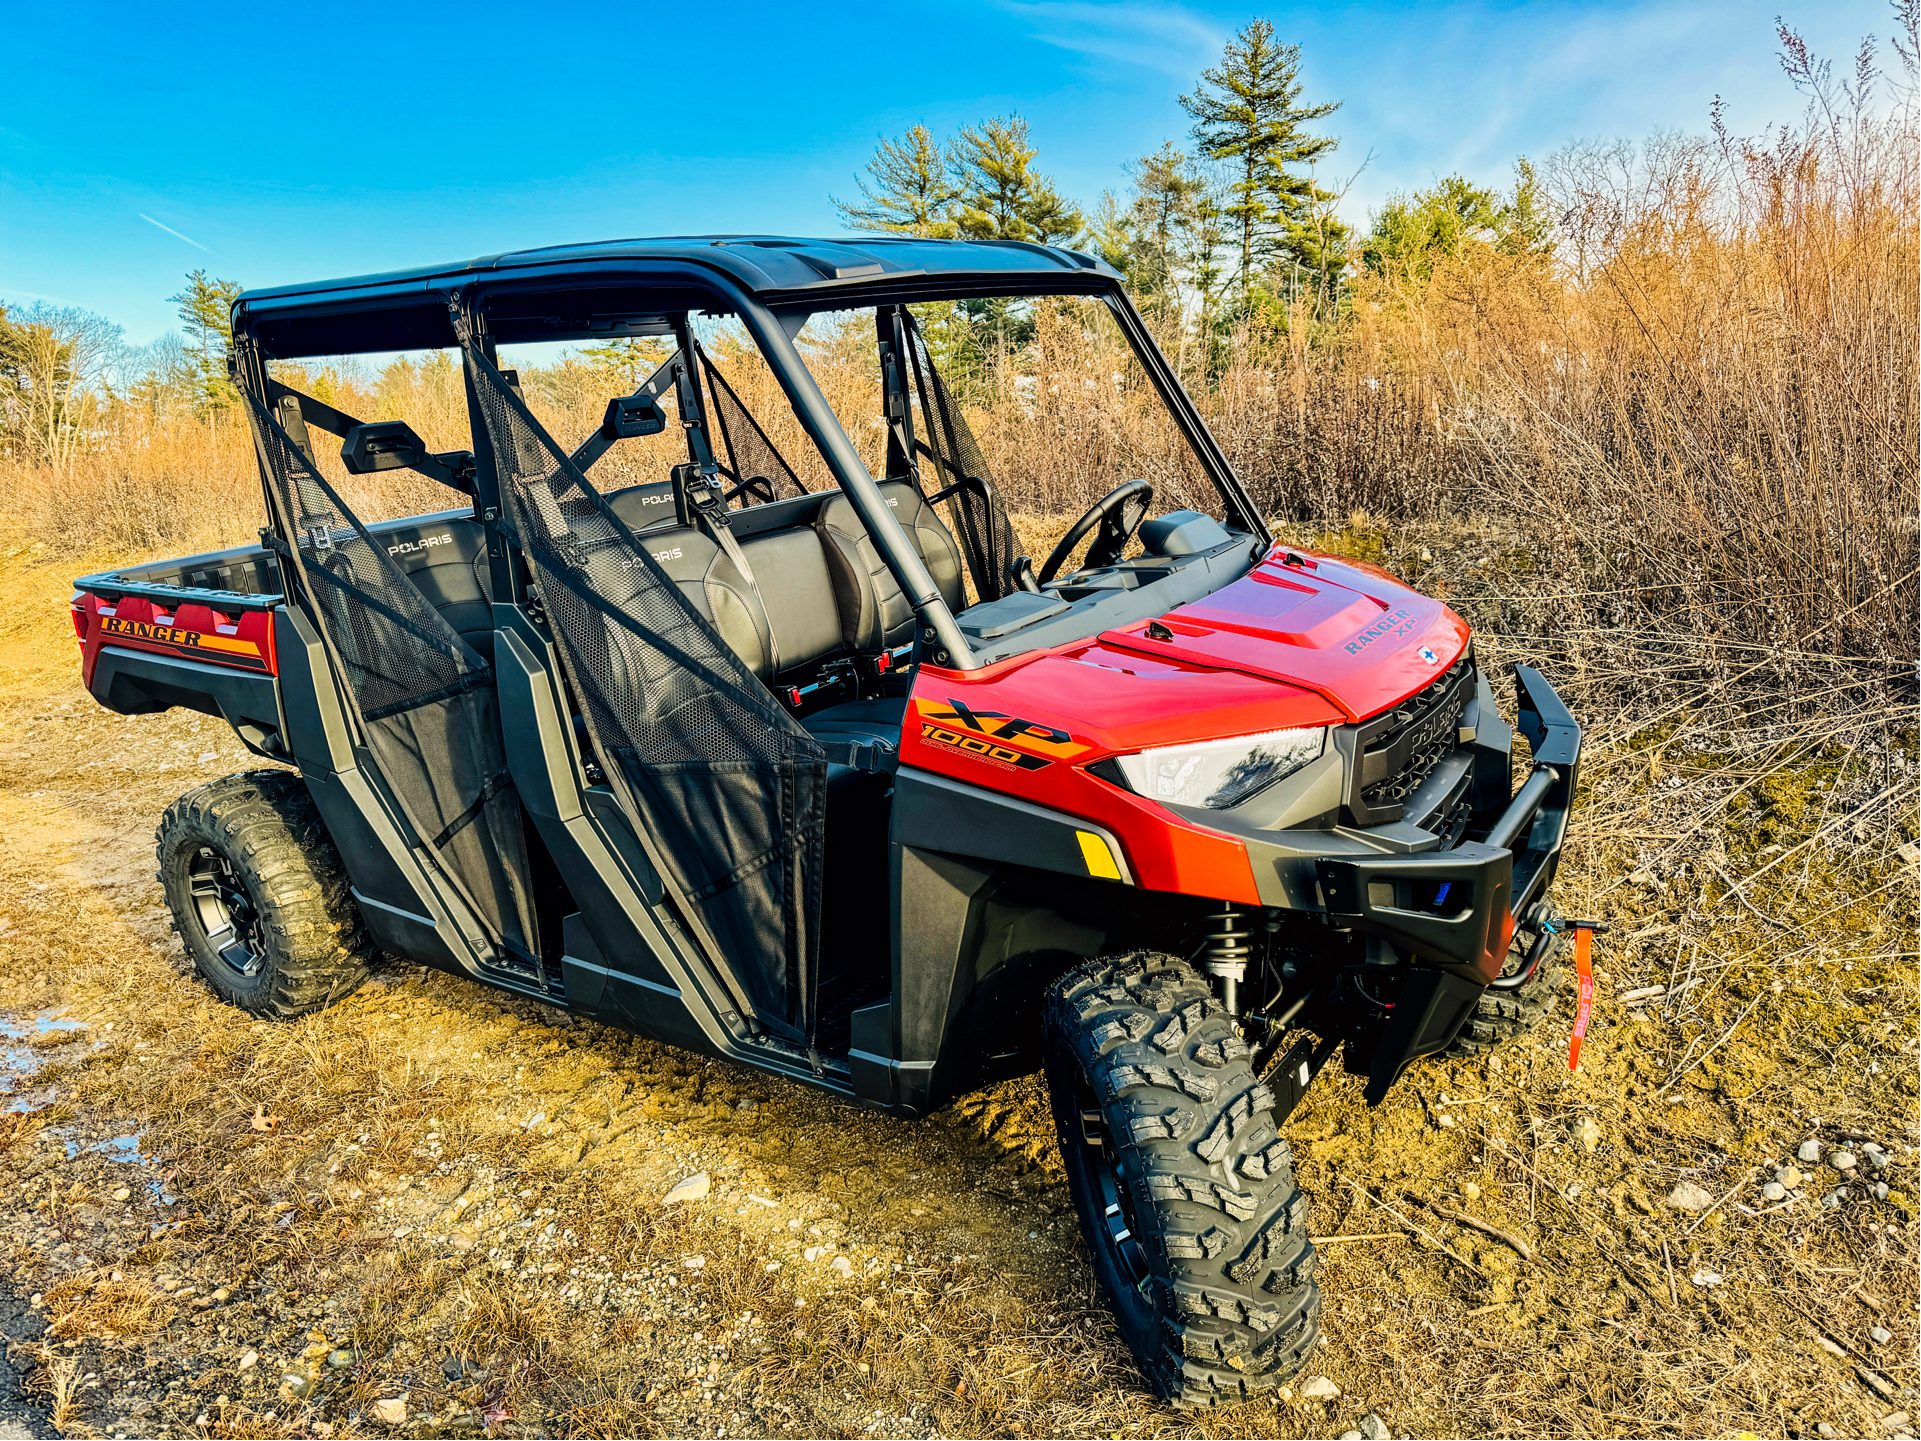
[(1165, 38)]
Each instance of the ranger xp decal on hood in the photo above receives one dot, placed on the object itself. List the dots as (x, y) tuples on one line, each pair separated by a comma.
[(1396, 623)]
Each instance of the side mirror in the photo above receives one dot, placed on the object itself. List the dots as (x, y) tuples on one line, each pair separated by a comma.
[(633, 415), (383, 445), (392, 445)]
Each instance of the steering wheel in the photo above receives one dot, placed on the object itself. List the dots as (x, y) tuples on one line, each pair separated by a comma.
[(1119, 514)]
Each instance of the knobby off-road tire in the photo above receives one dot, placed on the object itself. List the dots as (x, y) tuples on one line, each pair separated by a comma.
[(259, 896), (1185, 1191), (1503, 1016)]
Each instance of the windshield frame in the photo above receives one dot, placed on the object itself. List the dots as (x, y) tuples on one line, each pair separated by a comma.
[(1237, 505)]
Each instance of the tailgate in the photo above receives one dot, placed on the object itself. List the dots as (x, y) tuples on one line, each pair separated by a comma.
[(221, 628)]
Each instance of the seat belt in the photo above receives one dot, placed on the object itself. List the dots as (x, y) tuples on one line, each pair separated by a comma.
[(706, 508), (872, 754)]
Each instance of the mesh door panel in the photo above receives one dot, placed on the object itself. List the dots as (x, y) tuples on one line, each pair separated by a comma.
[(974, 511), (725, 787), (425, 699), (749, 450)]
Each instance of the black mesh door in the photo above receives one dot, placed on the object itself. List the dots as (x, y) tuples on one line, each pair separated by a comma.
[(425, 700), (974, 509), (726, 790), (756, 471)]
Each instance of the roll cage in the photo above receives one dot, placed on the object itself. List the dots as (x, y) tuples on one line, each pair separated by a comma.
[(653, 288)]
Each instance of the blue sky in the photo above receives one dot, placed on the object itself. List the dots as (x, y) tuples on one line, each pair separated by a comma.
[(141, 141)]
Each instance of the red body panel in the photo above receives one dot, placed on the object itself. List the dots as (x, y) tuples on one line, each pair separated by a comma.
[(1320, 642), (241, 639)]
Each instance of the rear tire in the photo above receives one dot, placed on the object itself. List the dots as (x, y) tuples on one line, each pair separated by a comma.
[(1185, 1191), (1503, 1016), (259, 896)]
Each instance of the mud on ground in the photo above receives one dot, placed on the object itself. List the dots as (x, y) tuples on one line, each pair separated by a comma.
[(433, 1210)]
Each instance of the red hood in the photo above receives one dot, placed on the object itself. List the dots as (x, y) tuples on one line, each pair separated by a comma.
[(1352, 634), (1316, 642)]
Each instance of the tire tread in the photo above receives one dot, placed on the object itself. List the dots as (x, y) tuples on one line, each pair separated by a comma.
[(1224, 1224), (266, 824)]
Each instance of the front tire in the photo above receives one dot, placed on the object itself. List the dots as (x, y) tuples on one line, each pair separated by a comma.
[(259, 896), (1185, 1191)]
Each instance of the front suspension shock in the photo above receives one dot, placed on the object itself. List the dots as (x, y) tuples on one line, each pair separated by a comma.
[(1225, 952)]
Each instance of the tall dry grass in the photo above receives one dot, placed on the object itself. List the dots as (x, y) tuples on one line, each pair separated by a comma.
[(1698, 416)]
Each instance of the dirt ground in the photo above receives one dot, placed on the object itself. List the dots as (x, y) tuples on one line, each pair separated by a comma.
[(435, 1210)]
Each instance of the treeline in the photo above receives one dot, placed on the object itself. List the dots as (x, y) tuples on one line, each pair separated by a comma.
[(68, 378), (1239, 226)]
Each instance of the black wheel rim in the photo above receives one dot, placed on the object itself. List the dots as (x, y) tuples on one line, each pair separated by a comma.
[(225, 912), (1117, 1233)]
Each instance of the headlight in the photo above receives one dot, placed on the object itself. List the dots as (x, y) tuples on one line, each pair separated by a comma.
[(1222, 773)]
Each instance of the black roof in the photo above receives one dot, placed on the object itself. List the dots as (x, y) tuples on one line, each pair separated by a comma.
[(405, 309)]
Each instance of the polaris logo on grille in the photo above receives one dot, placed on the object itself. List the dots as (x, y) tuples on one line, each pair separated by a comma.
[(1426, 653)]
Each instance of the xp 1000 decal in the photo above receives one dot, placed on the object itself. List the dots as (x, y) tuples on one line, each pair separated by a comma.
[(1009, 741)]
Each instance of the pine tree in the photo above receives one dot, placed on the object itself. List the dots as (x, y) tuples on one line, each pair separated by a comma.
[(1247, 114), (628, 361), (1165, 191), (1526, 228), (1002, 197), (1200, 234), (206, 315), (1412, 232), (912, 191), (1110, 234)]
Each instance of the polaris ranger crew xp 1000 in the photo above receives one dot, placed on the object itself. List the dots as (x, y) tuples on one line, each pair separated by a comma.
[(827, 777)]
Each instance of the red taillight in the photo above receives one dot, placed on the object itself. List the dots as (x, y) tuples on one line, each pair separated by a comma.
[(79, 614)]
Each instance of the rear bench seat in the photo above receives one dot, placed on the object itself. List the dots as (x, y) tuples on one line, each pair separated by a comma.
[(445, 556)]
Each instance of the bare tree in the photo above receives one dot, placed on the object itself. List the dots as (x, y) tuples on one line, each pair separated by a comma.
[(53, 367)]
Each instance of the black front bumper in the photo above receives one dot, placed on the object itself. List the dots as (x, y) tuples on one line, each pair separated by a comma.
[(1456, 909)]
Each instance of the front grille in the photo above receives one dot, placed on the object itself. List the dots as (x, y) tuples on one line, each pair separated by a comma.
[(1397, 750)]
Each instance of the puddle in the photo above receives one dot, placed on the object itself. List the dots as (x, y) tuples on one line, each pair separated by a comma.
[(121, 1148), (20, 1057)]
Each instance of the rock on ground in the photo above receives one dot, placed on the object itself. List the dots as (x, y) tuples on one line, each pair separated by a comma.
[(694, 1188), (390, 1412), (1688, 1196)]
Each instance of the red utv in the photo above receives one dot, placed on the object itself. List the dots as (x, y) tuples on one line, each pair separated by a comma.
[(836, 783)]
